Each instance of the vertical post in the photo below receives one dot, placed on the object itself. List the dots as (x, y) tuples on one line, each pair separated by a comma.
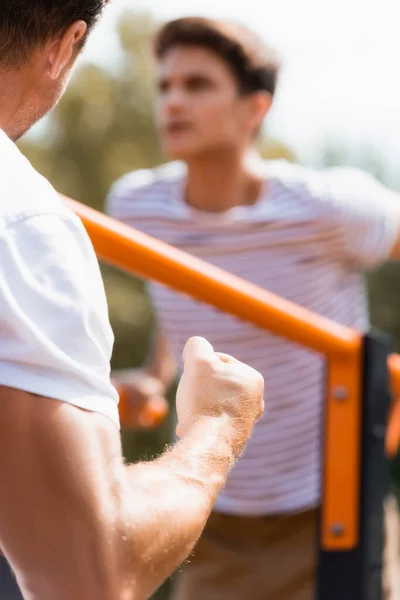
[(354, 573)]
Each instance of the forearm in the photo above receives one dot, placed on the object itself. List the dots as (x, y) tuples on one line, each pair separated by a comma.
[(75, 524), (170, 500)]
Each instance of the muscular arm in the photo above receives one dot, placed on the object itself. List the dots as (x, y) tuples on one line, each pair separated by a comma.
[(181, 489), (365, 216), (75, 523)]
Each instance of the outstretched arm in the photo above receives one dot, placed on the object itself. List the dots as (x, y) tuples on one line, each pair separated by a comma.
[(364, 215)]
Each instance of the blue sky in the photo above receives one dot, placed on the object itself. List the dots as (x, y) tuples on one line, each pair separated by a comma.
[(341, 78)]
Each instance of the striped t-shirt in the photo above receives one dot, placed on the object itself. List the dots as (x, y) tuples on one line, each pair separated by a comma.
[(306, 239)]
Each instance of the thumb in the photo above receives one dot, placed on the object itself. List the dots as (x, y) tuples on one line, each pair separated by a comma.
[(197, 348)]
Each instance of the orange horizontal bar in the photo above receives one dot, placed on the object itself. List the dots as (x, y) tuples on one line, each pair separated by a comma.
[(138, 253)]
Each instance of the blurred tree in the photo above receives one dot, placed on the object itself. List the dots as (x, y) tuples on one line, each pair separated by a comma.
[(272, 149), (102, 129), (104, 125)]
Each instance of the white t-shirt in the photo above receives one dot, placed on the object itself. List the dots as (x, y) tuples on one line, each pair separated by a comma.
[(306, 239), (55, 336)]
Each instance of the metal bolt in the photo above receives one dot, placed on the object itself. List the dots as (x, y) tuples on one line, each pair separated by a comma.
[(340, 392), (337, 529)]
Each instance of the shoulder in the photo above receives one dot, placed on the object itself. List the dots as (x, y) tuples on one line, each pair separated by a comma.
[(53, 239), (323, 190), (51, 255), (144, 189), (293, 180), (24, 192)]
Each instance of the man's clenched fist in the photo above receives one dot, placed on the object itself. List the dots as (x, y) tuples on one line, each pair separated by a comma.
[(215, 385)]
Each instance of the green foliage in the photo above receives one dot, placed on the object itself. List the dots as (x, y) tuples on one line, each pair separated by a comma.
[(102, 129)]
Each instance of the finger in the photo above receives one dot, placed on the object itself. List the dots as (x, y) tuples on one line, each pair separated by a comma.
[(198, 348), (227, 358)]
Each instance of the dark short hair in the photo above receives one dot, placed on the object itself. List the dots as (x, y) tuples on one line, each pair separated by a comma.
[(29, 24), (255, 65)]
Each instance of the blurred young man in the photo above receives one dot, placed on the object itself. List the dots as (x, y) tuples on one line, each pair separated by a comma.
[(301, 234), (75, 523)]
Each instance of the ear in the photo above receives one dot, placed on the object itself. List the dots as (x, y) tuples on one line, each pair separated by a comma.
[(65, 48), (259, 104)]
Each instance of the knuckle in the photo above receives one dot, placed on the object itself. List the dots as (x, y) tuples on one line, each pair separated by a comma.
[(257, 378), (203, 364)]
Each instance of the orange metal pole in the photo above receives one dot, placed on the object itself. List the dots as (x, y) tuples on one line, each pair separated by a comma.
[(393, 428), (394, 368), (137, 253), (342, 455)]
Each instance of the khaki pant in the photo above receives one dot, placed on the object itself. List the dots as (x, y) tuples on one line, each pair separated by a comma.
[(269, 558)]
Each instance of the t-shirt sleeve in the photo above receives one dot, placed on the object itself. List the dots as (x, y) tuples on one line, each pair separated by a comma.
[(55, 336), (364, 214)]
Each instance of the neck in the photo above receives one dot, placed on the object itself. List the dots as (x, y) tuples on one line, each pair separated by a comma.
[(218, 182), (15, 94)]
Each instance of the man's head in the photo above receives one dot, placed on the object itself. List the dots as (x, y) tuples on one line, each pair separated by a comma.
[(39, 42), (216, 84)]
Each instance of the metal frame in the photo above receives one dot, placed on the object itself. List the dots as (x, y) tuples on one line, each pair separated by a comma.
[(354, 573)]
